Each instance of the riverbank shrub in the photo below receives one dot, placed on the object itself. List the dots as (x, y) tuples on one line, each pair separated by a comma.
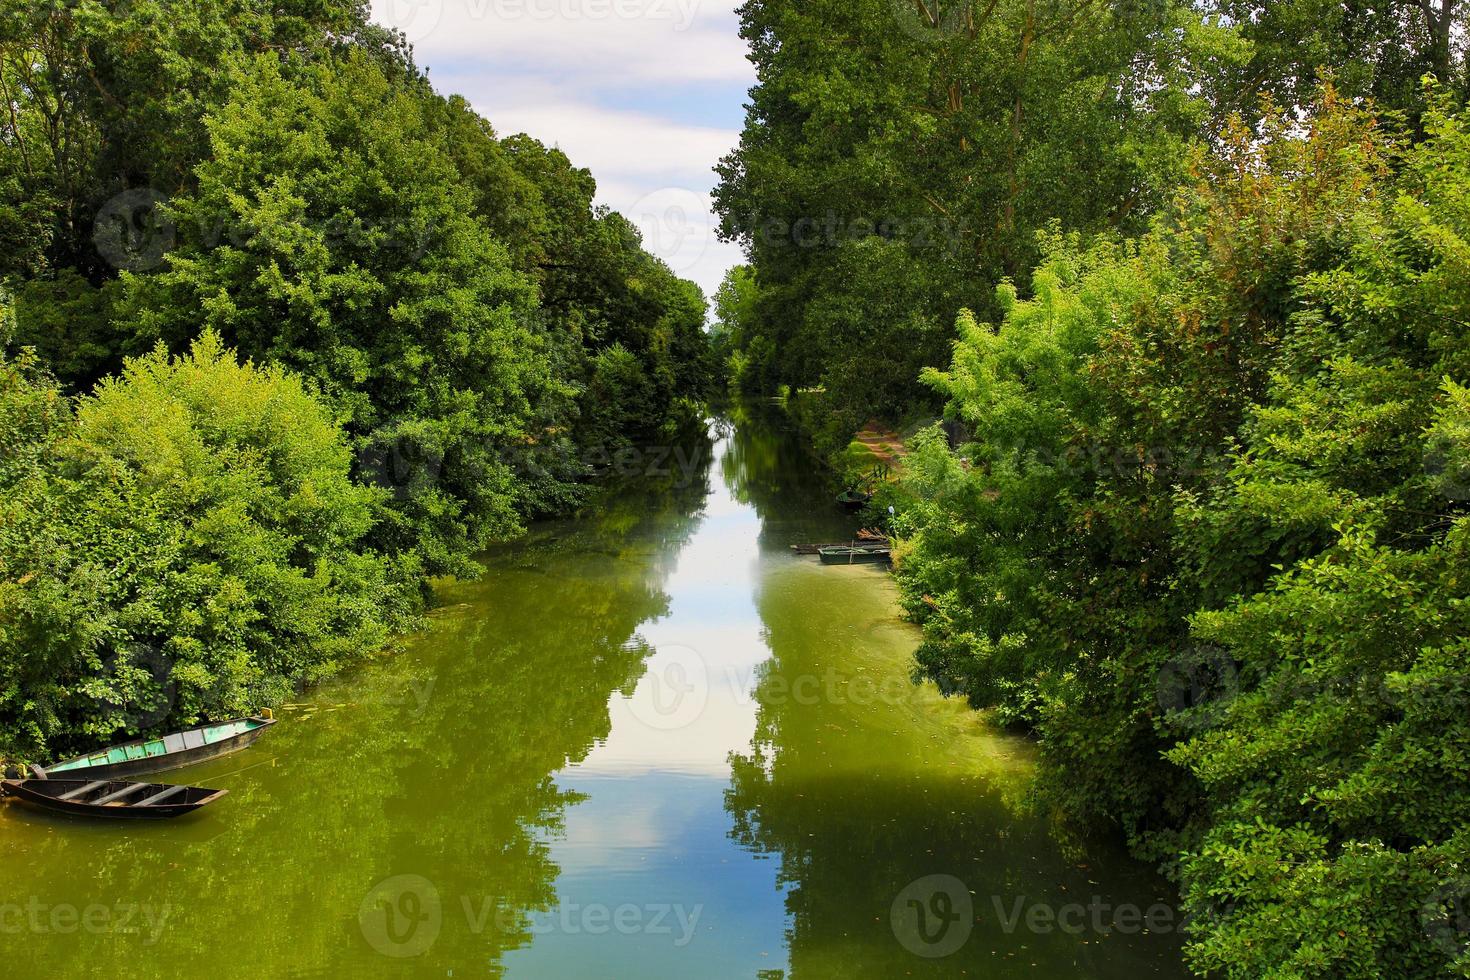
[(186, 542), (1208, 541)]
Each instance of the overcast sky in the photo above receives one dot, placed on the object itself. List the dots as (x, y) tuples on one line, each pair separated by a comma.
[(648, 94)]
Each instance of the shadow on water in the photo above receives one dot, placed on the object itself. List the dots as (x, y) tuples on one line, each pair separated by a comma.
[(396, 821), (891, 811), (768, 467)]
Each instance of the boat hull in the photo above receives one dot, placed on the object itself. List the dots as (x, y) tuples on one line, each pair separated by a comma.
[(47, 793), (854, 556), (816, 549), (186, 755)]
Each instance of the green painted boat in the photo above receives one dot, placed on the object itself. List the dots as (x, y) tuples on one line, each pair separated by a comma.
[(816, 549), (854, 499), (855, 556), (174, 751)]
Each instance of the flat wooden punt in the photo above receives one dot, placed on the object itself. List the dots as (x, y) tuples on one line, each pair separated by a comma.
[(112, 799), (816, 549), (855, 556), (173, 751)]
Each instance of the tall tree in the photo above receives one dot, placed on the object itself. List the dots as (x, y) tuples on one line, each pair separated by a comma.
[(330, 232), (924, 144)]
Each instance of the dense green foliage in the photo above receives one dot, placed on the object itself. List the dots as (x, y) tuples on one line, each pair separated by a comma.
[(1198, 515), (898, 158), (892, 164), (413, 321), (186, 542), (1207, 536), (460, 332), (1209, 541)]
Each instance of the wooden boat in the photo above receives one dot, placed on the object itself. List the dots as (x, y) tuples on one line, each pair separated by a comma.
[(854, 499), (859, 542), (860, 555), (198, 744), (111, 798)]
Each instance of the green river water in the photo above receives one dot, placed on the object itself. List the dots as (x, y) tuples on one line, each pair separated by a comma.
[(651, 742)]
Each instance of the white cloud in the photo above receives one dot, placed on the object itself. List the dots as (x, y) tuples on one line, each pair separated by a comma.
[(624, 87), (623, 40), (621, 144), (655, 172)]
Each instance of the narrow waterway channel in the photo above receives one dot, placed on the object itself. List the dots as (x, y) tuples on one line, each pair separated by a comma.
[(651, 742)]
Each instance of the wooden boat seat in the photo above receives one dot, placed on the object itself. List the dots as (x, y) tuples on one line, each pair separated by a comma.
[(84, 790), (160, 797), (194, 739), (128, 790)]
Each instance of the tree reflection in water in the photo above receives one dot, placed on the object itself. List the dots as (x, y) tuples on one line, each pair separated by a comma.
[(862, 783), (429, 769)]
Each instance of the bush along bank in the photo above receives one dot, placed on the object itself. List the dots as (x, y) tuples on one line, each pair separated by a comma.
[(1209, 542)]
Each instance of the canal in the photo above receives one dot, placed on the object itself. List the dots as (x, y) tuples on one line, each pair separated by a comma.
[(650, 742)]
